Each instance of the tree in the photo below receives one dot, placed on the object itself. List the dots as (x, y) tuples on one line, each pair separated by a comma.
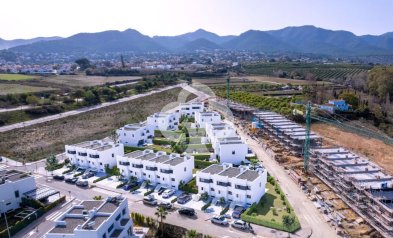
[(191, 234), (350, 98), (51, 161), (83, 63), (204, 196), (114, 136), (98, 197), (32, 100), (161, 216), (222, 200), (288, 221)]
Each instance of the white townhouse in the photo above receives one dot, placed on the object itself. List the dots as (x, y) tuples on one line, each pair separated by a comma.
[(158, 168), (238, 185), (135, 134), (13, 184), (95, 155), (163, 121), (219, 130), (204, 118), (190, 109), (95, 219), (231, 150)]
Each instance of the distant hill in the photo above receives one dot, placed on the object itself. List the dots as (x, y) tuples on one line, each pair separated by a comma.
[(303, 39), (6, 44)]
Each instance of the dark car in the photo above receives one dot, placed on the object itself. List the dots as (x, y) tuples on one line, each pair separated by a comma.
[(58, 177), (71, 180), (82, 183), (237, 212), (184, 198), (187, 211)]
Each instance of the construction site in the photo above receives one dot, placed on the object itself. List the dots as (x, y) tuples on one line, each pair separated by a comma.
[(354, 194)]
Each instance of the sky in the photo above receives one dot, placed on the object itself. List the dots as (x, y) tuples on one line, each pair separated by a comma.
[(33, 18)]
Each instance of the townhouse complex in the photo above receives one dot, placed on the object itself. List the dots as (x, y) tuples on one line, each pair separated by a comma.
[(135, 134), (95, 219), (239, 185), (158, 168), (95, 155)]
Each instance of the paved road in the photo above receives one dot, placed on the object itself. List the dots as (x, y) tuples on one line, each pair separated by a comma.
[(85, 109), (308, 214), (14, 109)]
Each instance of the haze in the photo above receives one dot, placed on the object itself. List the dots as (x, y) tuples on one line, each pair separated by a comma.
[(27, 19)]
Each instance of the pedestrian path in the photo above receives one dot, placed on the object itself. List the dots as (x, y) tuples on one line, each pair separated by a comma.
[(53, 216)]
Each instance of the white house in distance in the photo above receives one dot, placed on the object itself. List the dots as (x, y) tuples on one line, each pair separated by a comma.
[(95, 155), (190, 109), (203, 118), (135, 134), (13, 184), (95, 219), (158, 168), (219, 130), (239, 185), (231, 150), (163, 121)]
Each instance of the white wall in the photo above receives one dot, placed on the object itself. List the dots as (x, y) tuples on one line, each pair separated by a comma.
[(11, 199), (232, 153)]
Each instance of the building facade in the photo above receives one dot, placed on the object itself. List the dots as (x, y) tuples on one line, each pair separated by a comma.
[(238, 185), (231, 150), (203, 118), (190, 109), (135, 134), (94, 155), (95, 219), (163, 121), (158, 168)]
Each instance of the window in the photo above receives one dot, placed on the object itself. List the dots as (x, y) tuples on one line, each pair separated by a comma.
[(118, 217), (104, 235), (248, 196), (17, 193), (110, 228), (219, 192), (233, 152), (124, 134), (149, 175), (185, 169), (113, 155), (212, 189), (100, 163), (237, 195), (229, 193), (157, 176), (173, 179), (163, 179), (202, 188), (124, 211)]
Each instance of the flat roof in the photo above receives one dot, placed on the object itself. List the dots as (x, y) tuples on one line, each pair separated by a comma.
[(161, 158), (13, 175), (147, 156), (249, 175), (134, 154), (230, 172), (97, 220), (70, 224), (89, 205), (175, 161), (213, 169), (105, 147)]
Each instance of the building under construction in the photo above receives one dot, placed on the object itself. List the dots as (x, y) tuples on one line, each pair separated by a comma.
[(360, 183), (286, 132)]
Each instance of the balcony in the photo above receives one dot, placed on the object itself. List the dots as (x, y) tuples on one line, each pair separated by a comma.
[(224, 184), (151, 168), (124, 163), (94, 156), (82, 154), (71, 152), (205, 180), (138, 166), (166, 171), (242, 187)]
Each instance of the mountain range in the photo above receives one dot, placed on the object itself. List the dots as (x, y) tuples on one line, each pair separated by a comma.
[(303, 39)]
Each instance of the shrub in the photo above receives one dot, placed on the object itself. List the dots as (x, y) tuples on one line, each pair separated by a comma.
[(200, 164), (225, 210), (174, 200), (135, 188), (205, 157), (129, 149), (148, 192), (189, 187), (101, 178), (206, 206), (163, 141), (78, 174)]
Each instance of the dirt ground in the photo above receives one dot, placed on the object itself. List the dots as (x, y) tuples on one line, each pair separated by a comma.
[(276, 80), (83, 80), (38, 141), (377, 151)]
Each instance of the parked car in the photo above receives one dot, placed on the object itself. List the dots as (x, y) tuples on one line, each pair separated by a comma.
[(219, 220), (150, 200), (161, 190), (168, 193), (239, 224), (71, 180), (82, 183), (184, 198), (237, 212), (166, 205), (187, 211), (58, 177)]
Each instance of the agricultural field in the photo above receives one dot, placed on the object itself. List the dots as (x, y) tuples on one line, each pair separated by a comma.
[(12, 88), (17, 77), (36, 142), (276, 80), (86, 81), (320, 71)]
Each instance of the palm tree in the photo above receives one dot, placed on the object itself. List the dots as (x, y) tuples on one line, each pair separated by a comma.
[(161, 216), (147, 183), (114, 136), (191, 234), (288, 221)]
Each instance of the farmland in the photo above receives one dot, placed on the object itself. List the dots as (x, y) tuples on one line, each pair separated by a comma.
[(319, 71), (36, 142), (16, 77), (12, 88)]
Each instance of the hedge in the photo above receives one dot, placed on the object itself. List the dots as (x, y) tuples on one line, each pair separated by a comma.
[(200, 164), (101, 178), (122, 184), (174, 200), (252, 219), (163, 141), (69, 170), (78, 174), (148, 192), (135, 188), (206, 205), (205, 157), (225, 210), (54, 167)]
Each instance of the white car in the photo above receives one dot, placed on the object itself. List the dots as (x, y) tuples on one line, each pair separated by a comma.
[(239, 224), (168, 193), (220, 220)]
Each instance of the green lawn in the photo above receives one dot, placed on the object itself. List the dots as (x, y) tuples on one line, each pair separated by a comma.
[(159, 148), (13, 88), (270, 210), (16, 77)]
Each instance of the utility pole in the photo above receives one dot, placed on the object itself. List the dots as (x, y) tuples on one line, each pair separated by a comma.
[(228, 84), (5, 216), (306, 149)]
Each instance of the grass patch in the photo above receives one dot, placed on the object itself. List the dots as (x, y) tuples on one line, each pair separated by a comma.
[(200, 164), (159, 148), (129, 149), (16, 77)]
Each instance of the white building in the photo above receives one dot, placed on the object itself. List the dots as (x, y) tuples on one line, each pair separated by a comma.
[(158, 168), (135, 134), (231, 150), (214, 131), (95, 155), (13, 184), (190, 109), (203, 118), (238, 185), (163, 121), (95, 219)]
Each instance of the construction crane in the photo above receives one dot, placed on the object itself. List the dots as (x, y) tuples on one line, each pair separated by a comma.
[(354, 129)]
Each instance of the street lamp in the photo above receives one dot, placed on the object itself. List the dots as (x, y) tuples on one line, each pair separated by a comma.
[(6, 222)]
